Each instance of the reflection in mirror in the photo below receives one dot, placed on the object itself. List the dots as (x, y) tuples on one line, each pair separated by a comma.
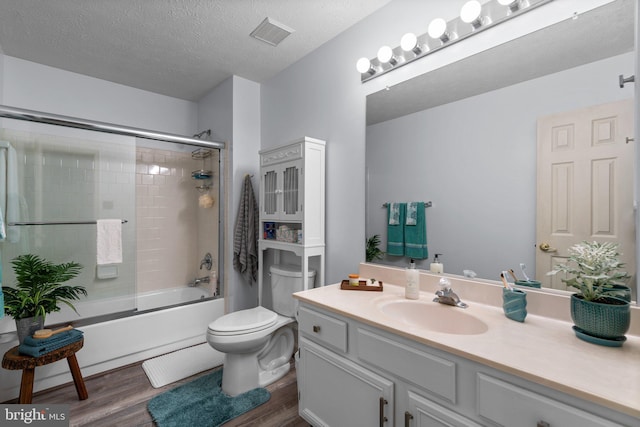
[(465, 137)]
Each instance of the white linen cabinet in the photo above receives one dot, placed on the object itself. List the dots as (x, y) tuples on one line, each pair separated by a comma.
[(292, 206)]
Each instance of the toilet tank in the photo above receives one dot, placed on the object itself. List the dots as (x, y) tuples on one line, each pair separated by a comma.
[(285, 280)]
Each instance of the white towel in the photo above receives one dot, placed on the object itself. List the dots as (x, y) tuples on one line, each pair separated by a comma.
[(9, 197), (109, 241)]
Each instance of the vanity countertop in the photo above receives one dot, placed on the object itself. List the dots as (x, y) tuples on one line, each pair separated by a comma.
[(542, 350)]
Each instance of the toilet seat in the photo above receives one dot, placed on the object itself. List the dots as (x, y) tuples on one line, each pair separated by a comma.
[(243, 321)]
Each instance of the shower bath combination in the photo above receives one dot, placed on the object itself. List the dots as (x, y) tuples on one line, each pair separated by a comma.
[(143, 181)]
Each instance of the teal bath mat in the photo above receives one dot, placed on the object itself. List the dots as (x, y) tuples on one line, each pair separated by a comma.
[(202, 403)]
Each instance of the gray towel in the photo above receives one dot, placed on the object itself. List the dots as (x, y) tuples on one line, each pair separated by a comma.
[(245, 236)]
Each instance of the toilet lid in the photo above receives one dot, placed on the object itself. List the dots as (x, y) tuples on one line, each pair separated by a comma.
[(243, 321)]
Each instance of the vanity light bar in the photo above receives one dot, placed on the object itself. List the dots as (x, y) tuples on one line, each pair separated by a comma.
[(474, 18)]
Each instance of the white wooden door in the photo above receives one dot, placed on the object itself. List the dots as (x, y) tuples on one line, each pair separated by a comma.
[(585, 184)]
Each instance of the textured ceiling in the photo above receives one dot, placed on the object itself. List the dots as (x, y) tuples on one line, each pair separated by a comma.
[(180, 48)]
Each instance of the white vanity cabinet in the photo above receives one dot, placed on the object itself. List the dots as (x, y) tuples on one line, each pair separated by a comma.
[(351, 373), (333, 390), (506, 404), (292, 206)]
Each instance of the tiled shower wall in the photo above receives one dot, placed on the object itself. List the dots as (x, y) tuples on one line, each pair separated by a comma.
[(72, 179), (173, 232), (66, 178)]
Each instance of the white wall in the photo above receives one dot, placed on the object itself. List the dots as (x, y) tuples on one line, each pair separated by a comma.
[(1, 78), (51, 90), (232, 112), (246, 144), (476, 160)]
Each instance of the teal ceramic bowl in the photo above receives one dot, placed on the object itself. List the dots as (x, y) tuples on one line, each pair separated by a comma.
[(529, 283)]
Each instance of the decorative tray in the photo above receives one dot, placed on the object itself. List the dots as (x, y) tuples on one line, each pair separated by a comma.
[(362, 287)]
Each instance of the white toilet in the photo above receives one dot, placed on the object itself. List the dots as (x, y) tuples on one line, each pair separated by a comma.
[(257, 342)]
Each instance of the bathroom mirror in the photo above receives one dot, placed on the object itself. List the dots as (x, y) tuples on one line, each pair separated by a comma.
[(464, 137)]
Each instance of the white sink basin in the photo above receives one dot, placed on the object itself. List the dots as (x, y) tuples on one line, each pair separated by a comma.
[(432, 316)]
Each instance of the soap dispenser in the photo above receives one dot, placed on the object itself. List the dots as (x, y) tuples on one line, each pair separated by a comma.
[(412, 287), (436, 265)]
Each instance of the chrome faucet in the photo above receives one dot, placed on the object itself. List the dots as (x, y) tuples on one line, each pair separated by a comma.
[(197, 281), (445, 295)]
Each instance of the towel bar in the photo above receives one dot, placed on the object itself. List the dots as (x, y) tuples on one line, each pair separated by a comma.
[(124, 221), (426, 204)]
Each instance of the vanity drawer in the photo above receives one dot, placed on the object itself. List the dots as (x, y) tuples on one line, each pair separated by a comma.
[(512, 406), (429, 372), (322, 328)]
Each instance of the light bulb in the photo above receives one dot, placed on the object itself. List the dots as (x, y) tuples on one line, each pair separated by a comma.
[(514, 5), (408, 42), (364, 66), (437, 28), (385, 55), (470, 12)]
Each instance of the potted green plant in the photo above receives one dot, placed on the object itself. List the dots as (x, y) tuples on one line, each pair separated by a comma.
[(39, 290), (373, 248), (600, 309)]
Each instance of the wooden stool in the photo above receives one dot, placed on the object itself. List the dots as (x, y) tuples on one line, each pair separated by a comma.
[(14, 360)]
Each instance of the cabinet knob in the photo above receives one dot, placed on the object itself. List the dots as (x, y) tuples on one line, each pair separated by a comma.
[(316, 328), (407, 418), (542, 424)]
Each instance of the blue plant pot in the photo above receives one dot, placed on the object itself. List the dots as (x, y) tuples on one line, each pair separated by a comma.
[(514, 304), (609, 321)]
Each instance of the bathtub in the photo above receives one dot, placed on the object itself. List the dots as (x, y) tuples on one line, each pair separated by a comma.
[(118, 306), (119, 342), (167, 297)]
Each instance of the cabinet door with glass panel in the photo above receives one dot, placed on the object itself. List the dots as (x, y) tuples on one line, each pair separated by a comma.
[(282, 192)]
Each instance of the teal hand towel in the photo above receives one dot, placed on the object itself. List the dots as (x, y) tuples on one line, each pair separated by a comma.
[(60, 336), (395, 228), (42, 349), (415, 231)]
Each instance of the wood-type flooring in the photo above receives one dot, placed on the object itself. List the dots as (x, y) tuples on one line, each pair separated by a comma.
[(118, 398)]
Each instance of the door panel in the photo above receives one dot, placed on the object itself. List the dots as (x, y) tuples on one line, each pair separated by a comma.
[(585, 184)]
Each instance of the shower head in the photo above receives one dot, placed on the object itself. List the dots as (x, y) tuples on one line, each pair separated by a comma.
[(203, 133)]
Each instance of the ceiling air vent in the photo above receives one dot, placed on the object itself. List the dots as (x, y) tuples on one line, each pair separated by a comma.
[(271, 32)]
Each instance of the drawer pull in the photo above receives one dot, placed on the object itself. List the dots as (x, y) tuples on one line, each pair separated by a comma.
[(407, 418), (383, 419), (542, 424), (316, 329)]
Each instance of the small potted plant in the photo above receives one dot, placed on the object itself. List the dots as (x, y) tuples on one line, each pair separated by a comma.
[(39, 291), (600, 309), (373, 248)]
